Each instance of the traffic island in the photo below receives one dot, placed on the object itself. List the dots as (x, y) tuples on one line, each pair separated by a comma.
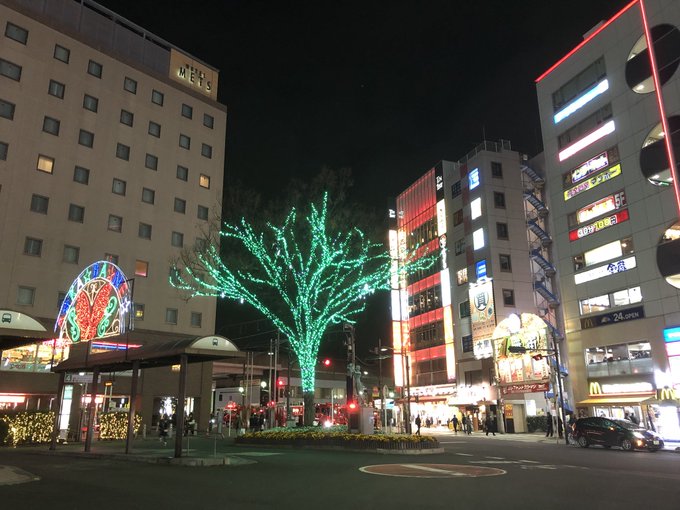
[(321, 439)]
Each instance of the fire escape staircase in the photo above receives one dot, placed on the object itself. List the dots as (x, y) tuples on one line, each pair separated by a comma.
[(547, 295), (536, 179), (539, 206), (544, 264), (545, 238)]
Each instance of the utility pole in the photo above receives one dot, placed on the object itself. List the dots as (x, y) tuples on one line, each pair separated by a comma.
[(383, 411), (351, 361)]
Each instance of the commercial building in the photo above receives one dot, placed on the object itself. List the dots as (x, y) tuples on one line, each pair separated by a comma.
[(471, 213), (111, 149), (610, 117)]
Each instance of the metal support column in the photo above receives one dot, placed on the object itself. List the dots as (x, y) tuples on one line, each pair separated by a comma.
[(181, 397), (56, 407), (92, 409), (133, 399)]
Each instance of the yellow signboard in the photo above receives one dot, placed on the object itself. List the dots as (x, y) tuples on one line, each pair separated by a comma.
[(193, 74), (608, 174)]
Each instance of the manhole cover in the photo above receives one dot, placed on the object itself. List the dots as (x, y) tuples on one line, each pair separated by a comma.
[(431, 470)]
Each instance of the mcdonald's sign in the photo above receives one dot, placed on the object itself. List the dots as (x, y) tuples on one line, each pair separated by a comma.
[(666, 393), (595, 388)]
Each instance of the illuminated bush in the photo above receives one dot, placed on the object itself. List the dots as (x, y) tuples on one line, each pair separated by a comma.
[(27, 427), (114, 425)]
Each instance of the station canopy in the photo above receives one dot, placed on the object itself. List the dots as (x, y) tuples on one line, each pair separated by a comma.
[(17, 329)]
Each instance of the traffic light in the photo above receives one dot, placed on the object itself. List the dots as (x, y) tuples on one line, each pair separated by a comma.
[(537, 357), (353, 406), (326, 362)]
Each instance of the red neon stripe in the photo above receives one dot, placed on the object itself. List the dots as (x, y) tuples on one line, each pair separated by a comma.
[(659, 99), (586, 41)]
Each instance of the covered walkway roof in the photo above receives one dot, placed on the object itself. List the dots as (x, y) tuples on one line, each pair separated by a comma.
[(17, 329)]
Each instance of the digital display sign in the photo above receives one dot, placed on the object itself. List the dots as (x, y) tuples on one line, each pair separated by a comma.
[(598, 179), (618, 266), (596, 226), (603, 206), (473, 178)]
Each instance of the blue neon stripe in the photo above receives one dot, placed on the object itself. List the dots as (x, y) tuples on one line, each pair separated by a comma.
[(582, 100)]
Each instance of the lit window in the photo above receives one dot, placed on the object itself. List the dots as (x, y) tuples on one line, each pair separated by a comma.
[(473, 178), (17, 33), (157, 97), (39, 204), (206, 150), (154, 129), (144, 231), (76, 213), (139, 312), (51, 126), (204, 181), (25, 296), (10, 70), (196, 319), (180, 205), (148, 195), (61, 53), (123, 152), (141, 268), (71, 254), (130, 85), (90, 103), (208, 120), (171, 316), (478, 239), (187, 111), (115, 223), (81, 175), (182, 173), (6, 110), (33, 247), (110, 257), (56, 89), (86, 138), (126, 117), (119, 187), (476, 208), (462, 276), (184, 141), (94, 68), (45, 164), (151, 162), (177, 239), (202, 213)]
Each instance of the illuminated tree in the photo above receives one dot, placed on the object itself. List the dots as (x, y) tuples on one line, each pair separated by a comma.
[(300, 275)]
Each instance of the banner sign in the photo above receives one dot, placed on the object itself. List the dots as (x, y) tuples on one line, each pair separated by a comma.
[(482, 310), (608, 174), (629, 314), (525, 388), (591, 166), (601, 224), (603, 206)]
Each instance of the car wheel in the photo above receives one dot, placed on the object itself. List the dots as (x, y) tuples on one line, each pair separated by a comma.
[(583, 442), (627, 445)]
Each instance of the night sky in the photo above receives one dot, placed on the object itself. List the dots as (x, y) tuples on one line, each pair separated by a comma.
[(386, 88)]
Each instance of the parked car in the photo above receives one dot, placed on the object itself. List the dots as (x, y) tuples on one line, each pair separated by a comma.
[(610, 432)]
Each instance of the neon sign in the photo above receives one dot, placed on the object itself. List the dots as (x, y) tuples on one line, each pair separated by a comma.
[(618, 266), (97, 305), (671, 334), (587, 140), (473, 179), (581, 101), (598, 225), (608, 174), (603, 206)]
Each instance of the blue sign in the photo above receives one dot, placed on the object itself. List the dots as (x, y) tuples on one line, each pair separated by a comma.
[(473, 178), (629, 314), (480, 269), (672, 334)]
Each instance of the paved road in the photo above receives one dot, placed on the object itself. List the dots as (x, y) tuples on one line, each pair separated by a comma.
[(532, 475)]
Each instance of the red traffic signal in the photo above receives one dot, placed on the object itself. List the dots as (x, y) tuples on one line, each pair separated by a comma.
[(353, 406), (537, 357), (326, 362)]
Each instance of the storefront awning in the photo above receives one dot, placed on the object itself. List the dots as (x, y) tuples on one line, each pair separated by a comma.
[(614, 400)]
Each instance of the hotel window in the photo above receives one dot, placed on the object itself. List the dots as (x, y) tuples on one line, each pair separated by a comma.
[(94, 68), (71, 254), (608, 251), (206, 150), (4, 148), (33, 247), (459, 246), (457, 217), (182, 173), (579, 83), (90, 103), (16, 33), (122, 151), (144, 231), (127, 117), (139, 312), (148, 196), (505, 263), (187, 111), (86, 138), (462, 276), (585, 126), (119, 187), (141, 268), (110, 257), (157, 97), (502, 230), (208, 121), (81, 175), (6, 110), (25, 296), (184, 141), (476, 208), (204, 181), (61, 53), (130, 85), (196, 319), (51, 126), (115, 223), (456, 189), (76, 213), (154, 129), (45, 164), (508, 297), (10, 70), (171, 315), (151, 162), (202, 213), (180, 205), (499, 200), (464, 309), (56, 89), (496, 170), (39, 204), (177, 239)]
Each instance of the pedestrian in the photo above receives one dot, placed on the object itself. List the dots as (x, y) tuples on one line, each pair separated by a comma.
[(191, 425), (469, 425), (163, 426), (454, 420), (634, 418), (418, 425), (260, 421), (549, 426), (488, 425)]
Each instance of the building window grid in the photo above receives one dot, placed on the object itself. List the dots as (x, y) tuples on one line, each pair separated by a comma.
[(25, 295), (115, 223), (33, 247), (51, 126), (62, 54), (171, 315), (71, 254), (182, 173), (202, 213), (81, 175), (499, 200), (144, 231), (508, 297), (94, 69), (496, 170), (502, 231), (4, 149), (130, 85), (39, 204), (206, 150), (187, 111), (148, 196), (505, 262), (127, 118), (45, 164), (204, 181), (208, 121), (151, 162), (123, 152), (76, 213), (56, 89), (184, 142), (16, 33), (157, 97), (10, 70), (85, 138), (196, 319), (7, 109), (180, 206), (154, 129), (119, 187), (90, 103)]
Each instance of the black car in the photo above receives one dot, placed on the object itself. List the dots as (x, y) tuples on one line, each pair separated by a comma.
[(610, 432)]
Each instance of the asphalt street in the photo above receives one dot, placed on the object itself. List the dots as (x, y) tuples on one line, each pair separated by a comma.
[(474, 472)]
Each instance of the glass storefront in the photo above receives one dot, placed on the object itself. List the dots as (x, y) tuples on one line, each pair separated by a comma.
[(38, 357)]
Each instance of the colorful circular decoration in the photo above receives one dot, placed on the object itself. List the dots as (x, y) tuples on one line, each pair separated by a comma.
[(97, 304)]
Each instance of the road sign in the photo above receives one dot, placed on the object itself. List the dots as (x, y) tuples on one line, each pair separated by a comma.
[(80, 379)]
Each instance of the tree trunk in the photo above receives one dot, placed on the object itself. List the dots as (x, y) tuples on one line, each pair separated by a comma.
[(310, 410)]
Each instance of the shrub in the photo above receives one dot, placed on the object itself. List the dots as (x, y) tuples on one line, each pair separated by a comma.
[(114, 425), (320, 437), (28, 427), (537, 423)]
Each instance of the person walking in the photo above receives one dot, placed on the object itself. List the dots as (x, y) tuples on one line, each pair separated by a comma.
[(418, 425), (163, 426), (489, 425), (549, 432), (454, 420)]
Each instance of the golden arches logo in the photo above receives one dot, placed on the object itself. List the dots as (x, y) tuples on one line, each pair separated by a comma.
[(595, 388), (666, 394)]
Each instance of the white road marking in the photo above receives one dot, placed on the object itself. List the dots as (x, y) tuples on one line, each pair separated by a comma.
[(494, 462), (530, 461), (497, 458), (432, 470), (465, 454), (452, 442), (258, 454), (545, 466)]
